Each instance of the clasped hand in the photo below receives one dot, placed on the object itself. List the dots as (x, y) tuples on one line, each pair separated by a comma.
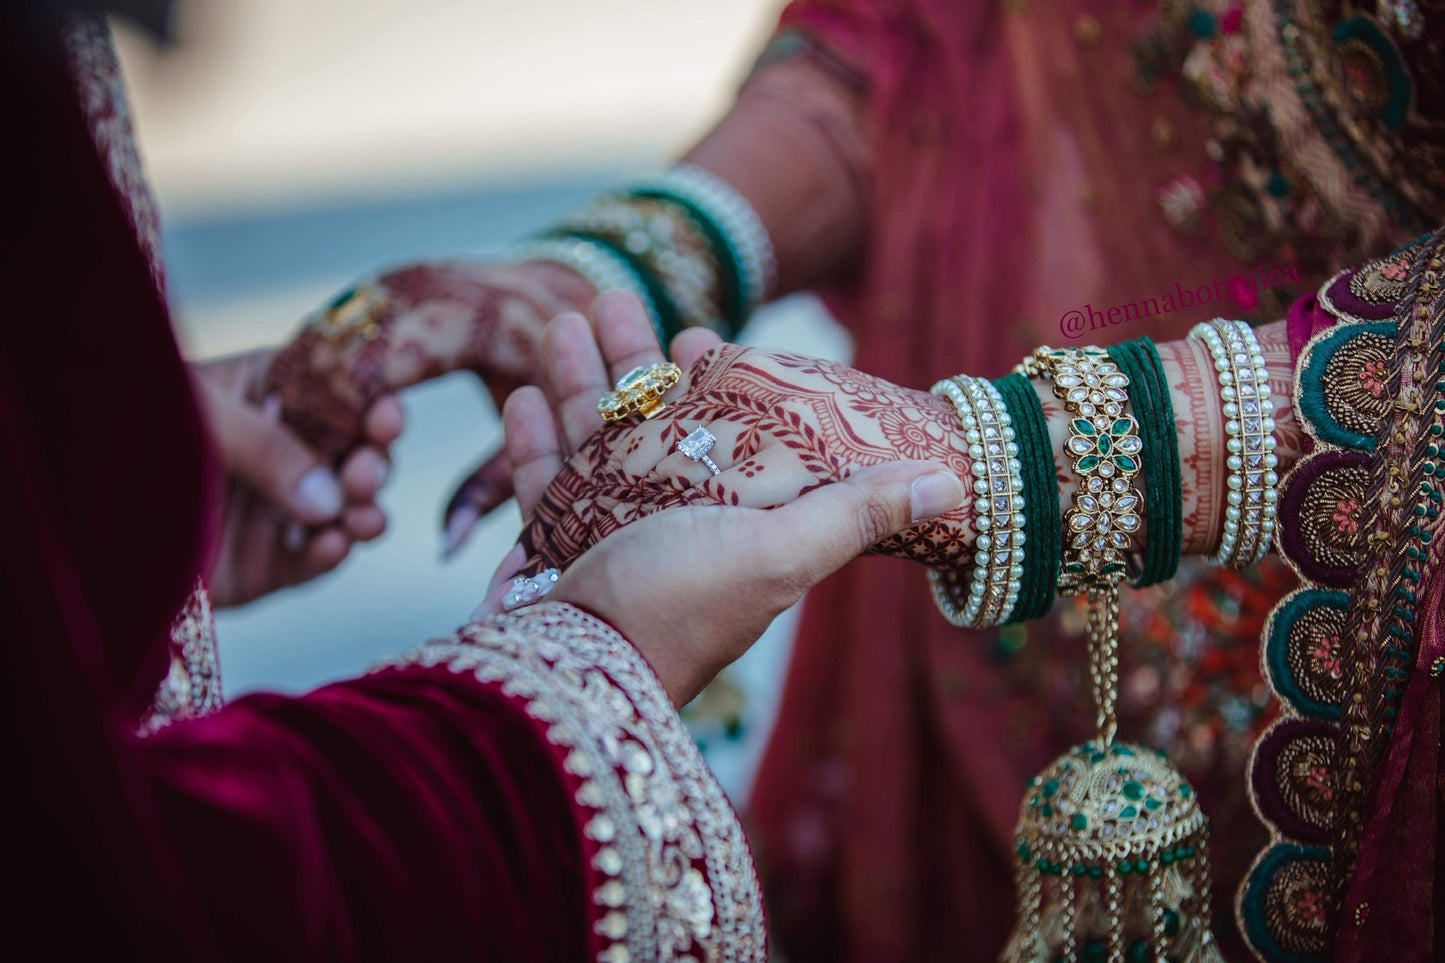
[(847, 462)]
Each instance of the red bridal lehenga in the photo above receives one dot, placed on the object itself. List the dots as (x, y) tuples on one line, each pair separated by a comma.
[(1032, 160)]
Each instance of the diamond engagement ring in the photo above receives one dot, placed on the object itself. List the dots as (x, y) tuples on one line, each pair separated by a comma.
[(696, 446), (639, 392), (525, 590)]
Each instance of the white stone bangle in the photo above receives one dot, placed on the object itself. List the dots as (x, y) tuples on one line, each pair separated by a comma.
[(1252, 493), (998, 507), (599, 265), (730, 213), (691, 280)]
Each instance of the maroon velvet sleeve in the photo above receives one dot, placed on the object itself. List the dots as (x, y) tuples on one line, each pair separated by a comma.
[(412, 814)]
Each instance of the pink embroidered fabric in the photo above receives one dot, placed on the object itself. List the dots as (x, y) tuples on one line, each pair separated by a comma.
[(1023, 181)]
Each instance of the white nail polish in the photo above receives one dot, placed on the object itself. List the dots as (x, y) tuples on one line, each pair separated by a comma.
[(525, 591), (293, 537), (320, 492)]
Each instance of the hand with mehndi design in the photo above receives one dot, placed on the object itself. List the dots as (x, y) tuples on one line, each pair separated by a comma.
[(785, 426), (692, 589), (417, 323)]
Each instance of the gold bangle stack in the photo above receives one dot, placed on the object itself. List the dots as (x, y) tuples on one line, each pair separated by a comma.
[(666, 242)]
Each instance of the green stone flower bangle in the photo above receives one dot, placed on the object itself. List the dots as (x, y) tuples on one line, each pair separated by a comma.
[(1105, 447)]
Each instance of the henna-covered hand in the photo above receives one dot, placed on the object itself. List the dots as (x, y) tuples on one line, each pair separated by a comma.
[(413, 324), (785, 425)]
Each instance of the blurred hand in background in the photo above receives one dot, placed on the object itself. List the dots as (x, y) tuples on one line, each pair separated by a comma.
[(289, 516), (413, 324)]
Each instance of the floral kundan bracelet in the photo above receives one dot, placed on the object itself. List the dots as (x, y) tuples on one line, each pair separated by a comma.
[(1104, 446)]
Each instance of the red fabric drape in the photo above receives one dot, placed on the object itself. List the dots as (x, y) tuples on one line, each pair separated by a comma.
[(413, 814), (1400, 873)]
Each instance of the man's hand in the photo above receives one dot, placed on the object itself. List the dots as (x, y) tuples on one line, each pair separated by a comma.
[(417, 323)]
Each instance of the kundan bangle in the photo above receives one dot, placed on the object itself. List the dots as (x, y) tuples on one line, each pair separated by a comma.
[(1163, 486), (598, 263), (999, 517), (744, 249), (1104, 446), (1252, 484), (1041, 483)]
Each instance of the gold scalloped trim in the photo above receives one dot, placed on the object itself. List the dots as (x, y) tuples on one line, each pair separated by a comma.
[(1395, 476)]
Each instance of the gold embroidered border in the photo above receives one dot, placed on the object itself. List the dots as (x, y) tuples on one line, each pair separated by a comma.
[(1397, 484), (677, 880), (1400, 482), (192, 686)]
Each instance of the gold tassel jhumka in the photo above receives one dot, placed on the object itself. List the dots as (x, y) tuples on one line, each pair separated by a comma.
[(1112, 846)]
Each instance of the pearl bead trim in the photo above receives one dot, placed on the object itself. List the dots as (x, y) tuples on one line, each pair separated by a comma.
[(1252, 493), (998, 506)]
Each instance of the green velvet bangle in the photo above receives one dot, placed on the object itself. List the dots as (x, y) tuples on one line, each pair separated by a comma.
[(669, 319), (1163, 491), (1043, 530), (730, 284)]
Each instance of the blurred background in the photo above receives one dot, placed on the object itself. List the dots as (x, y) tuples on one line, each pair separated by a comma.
[(297, 144)]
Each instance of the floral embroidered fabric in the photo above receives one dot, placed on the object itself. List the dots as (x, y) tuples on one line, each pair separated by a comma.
[(1358, 519), (1328, 123), (672, 875)]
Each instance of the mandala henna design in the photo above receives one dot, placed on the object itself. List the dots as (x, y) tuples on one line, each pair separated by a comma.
[(412, 325)]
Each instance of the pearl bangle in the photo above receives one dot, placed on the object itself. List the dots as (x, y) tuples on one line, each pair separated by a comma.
[(1252, 491), (662, 237), (600, 267), (732, 215), (999, 517)]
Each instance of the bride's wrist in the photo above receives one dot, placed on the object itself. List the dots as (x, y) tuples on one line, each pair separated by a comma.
[(1203, 439), (947, 540)]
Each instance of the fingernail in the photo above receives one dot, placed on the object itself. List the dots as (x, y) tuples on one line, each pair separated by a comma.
[(459, 526), (492, 604), (293, 537), (525, 591), (319, 492), (380, 472), (934, 494)]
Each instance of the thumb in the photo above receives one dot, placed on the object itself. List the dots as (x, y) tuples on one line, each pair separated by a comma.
[(264, 453), (827, 528)]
